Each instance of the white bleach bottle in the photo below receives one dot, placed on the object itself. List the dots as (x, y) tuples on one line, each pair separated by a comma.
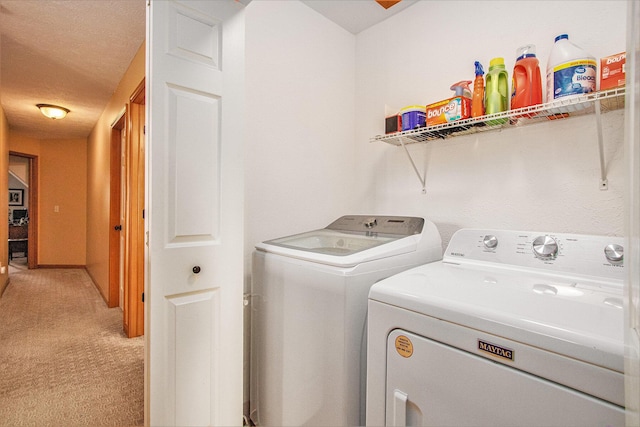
[(570, 71)]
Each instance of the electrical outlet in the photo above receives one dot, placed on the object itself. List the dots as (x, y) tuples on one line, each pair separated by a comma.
[(56, 208)]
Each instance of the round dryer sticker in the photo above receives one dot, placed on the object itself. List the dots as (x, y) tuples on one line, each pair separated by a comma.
[(404, 346)]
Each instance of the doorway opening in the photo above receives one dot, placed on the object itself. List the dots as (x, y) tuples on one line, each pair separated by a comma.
[(23, 211)]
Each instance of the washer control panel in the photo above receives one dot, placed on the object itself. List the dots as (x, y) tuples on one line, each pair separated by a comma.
[(601, 256), (398, 225)]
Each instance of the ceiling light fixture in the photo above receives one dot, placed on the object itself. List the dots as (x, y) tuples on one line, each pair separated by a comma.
[(53, 111), (388, 3)]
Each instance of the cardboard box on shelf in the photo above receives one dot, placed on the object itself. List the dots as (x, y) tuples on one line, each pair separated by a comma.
[(448, 110), (612, 71)]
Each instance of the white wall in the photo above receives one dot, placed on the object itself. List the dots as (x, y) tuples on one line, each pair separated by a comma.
[(300, 155), (300, 110), (544, 177)]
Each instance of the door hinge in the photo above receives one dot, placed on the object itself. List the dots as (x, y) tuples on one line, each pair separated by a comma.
[(143, 297), (142, 213)]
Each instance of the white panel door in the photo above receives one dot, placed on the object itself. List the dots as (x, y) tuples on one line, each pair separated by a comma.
[(195, 92)]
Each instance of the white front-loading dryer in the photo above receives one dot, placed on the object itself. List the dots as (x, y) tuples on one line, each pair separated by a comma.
[(308, 318), (510, 328)]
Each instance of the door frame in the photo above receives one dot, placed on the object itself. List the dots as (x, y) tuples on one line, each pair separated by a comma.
[(115, 197), (132, 123), (133, 303), (32, 253)]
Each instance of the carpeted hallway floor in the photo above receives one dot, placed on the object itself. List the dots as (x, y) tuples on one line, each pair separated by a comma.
[(64, 360)]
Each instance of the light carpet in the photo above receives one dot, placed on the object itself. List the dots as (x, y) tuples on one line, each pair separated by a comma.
[(64, 360)]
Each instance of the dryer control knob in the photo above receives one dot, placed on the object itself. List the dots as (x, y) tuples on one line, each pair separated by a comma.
[(614, 253), (545, 247), (490, 241)]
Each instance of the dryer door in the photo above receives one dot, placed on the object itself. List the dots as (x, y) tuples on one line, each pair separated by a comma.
[(433, 384)]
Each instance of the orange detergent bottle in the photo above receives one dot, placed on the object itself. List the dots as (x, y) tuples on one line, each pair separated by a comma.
[(526, 80), (477, 100)]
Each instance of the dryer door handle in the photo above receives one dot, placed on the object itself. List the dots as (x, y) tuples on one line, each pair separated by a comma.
[(399, 408)]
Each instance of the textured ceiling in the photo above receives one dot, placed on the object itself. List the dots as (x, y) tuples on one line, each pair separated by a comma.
[(71, 53)]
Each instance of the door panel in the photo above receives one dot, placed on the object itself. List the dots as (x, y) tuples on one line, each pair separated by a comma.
[(193, 157), (192, 329), (195, 36)]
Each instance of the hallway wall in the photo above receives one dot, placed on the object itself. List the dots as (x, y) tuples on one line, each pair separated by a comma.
[(4, 192), (62, 184), (98, 149)]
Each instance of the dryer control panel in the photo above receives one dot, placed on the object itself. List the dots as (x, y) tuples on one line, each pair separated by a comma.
[(601, 256)]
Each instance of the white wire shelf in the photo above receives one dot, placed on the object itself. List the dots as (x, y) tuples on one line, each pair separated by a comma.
[(610, 100)]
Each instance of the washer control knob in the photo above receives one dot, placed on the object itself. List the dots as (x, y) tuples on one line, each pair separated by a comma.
[(545, 247), (614, 253), (370, 223), (490, 241)]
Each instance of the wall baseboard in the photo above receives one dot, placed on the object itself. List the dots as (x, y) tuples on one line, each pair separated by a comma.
[(93, 280), (84, 267)]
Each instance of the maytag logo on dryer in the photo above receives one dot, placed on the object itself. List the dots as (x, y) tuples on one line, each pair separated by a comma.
[(456, 254), (496, 350)]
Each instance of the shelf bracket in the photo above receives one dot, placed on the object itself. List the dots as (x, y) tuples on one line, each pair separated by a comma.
[(422, 178), (604, 184)]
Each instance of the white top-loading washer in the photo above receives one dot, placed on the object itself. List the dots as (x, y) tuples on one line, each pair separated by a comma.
[(510, 328), (309, 302)]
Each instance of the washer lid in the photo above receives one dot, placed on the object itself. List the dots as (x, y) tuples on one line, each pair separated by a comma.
[(339, 248), (354, 239), (580, 318), (330, 242)]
